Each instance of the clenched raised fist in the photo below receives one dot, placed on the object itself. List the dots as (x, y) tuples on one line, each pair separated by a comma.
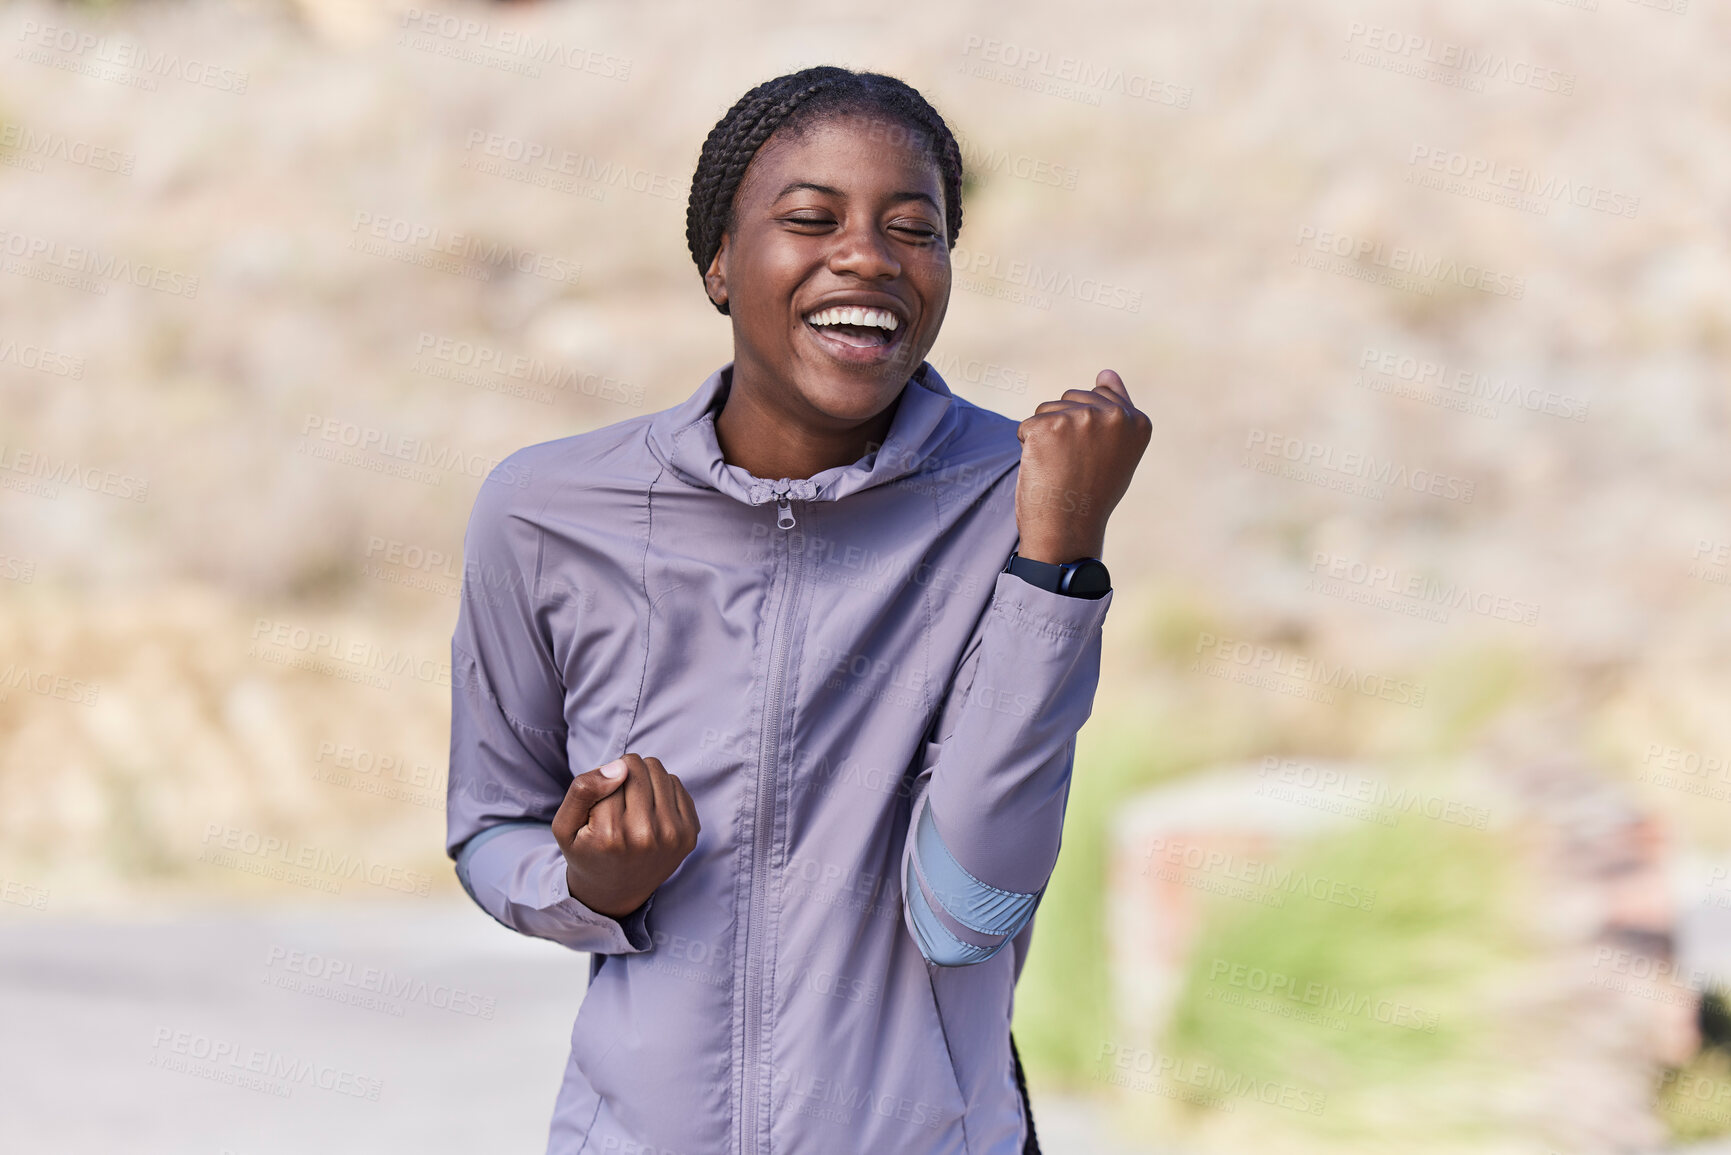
[(1078, 455), (624, 829)]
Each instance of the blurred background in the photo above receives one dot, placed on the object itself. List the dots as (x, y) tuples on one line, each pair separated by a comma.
[(1403, 822)]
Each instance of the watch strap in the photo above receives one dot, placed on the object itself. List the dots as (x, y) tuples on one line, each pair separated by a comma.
[(1051, 576), (1040, 573)]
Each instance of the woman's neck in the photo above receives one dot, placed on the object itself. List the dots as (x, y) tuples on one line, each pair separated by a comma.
[(769, 442)]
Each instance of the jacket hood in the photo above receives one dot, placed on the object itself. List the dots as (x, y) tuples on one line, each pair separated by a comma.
[(684, 439)]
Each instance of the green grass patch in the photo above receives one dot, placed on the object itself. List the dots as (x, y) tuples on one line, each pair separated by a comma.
[(1694, 1102), (1063, 1001), (1192, 722), (1378, 1011)]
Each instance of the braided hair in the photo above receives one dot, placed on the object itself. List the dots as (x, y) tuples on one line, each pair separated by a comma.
[(792, 102)]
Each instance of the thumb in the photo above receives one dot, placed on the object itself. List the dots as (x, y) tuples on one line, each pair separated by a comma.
[(585, 791), (1108, 380)]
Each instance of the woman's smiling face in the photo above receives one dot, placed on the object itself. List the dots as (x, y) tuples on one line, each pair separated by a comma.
[(838, 222)]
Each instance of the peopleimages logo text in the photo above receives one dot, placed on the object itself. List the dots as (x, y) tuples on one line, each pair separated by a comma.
[(1472, 62), (1413, 262), (1041, 71), (116, 53), (1280, 663), (485, 255), (512, 42), (384, 443), (104, 268), (1524, 179), (1039, 279), (339, 865), (1358, 465)]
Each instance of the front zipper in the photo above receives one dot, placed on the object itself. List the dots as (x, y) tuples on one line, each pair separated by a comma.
[(763, 833), (783, 509)]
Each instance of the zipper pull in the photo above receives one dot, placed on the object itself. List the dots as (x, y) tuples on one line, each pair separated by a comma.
[(783, 508)]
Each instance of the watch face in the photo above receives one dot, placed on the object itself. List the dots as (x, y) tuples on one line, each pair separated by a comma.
[(1088, 576)]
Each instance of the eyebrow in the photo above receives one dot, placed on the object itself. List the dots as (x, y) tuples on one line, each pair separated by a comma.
[(795, 186)]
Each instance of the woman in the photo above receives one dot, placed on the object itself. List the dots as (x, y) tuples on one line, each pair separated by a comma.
[(825, 632)]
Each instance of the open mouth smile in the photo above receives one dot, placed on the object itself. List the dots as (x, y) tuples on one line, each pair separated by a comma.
[(855, 334)]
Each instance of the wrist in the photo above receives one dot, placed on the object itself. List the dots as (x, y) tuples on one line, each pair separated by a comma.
[(1059, 550), (609, 905)]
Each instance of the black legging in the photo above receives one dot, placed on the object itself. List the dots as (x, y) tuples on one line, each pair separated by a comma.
[(1032, 1145)]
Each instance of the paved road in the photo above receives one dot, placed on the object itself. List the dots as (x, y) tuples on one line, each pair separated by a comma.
[(453, 1042), (104, 1023)]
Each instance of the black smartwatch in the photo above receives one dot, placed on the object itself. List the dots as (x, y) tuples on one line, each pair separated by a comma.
[(1083, 578)]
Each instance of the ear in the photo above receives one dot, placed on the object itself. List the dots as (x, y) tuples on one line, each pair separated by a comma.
[(715, 279)]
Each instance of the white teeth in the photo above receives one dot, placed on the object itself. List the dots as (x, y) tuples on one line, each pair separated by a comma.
[(853, 315)]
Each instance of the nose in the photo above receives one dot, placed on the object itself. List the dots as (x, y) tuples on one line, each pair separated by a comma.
[(862, 250)]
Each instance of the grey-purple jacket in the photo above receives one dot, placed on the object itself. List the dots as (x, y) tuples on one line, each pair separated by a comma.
[(877, 726)]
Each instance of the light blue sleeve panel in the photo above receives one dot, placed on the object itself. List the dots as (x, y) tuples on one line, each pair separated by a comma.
[(957, 920), (995, 771)]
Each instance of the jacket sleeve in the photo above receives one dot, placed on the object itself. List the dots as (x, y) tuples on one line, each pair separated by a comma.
[(509, 769), (989, 797)]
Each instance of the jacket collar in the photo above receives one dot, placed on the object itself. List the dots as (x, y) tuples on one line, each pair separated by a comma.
[(684, 438)]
